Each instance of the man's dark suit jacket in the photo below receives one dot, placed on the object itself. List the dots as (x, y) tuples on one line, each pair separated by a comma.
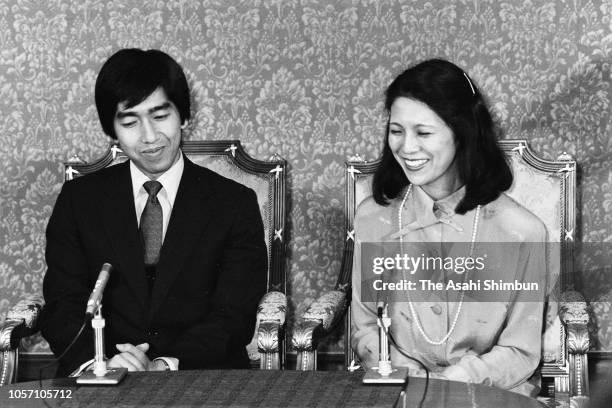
[(210, 276)]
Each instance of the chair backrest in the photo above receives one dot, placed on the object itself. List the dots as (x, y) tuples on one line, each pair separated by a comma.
[(228, 158), (546, 188)]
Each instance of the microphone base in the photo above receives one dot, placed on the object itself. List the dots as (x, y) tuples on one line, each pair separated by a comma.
[(397, 376), (112, 377)]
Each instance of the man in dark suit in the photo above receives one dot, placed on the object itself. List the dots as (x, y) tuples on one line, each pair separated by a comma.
[(186, 244)]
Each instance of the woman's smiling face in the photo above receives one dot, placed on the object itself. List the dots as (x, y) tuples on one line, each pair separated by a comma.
[(424, 146)]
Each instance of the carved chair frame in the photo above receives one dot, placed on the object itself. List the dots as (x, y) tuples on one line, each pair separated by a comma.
[(21, 319), (570, 369)]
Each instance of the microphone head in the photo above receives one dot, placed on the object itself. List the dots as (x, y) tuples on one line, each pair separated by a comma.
[(96, 295)]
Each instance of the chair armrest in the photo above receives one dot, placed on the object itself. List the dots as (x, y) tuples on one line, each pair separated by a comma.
[(272, 307), (271, 314), (318, 320), (574, 315), (21, 321)]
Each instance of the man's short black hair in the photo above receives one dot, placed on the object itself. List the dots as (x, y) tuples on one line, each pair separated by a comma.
[(130, 75), (453, 96)]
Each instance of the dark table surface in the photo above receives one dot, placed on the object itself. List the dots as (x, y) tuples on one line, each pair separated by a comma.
[(253, 388)]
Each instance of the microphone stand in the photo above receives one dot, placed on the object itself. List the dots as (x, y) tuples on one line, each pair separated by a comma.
[(384, 359), (384, 373), (101, 374)]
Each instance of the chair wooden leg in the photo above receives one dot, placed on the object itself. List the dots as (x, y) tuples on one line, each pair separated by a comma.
[(561, 386), (306, 360), (574, 315), (304, 342), (578, 381), (269, 361), (577, 347), (269, 345), (9, 353), (8, 364)]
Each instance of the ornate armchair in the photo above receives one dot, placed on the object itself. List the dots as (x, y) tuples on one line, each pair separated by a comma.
[(547, 188), (226, 157)]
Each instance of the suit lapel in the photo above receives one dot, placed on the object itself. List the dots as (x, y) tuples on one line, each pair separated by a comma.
[(119, 214), (191, 212)]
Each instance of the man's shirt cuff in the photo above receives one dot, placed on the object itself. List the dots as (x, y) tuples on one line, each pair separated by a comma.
[(170, 362)]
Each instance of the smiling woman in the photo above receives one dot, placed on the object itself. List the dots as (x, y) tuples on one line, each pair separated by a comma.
[(444, 124), (424, 147), (441, 181)]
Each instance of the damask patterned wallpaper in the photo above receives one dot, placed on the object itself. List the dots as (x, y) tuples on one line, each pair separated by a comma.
[(304, 79)]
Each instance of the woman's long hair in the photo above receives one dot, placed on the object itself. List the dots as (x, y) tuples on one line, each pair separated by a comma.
[(452, 95)]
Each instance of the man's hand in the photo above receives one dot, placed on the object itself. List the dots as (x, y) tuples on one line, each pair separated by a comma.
[(133, 358)]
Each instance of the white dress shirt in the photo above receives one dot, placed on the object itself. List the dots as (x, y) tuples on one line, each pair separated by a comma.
[(170, 182)]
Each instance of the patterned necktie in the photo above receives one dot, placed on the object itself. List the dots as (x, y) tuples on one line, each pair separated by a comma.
[(151, 224)]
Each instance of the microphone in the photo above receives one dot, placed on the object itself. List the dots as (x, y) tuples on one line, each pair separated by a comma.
[(385, 373), (96, 294), (101, 374), (384, 359)]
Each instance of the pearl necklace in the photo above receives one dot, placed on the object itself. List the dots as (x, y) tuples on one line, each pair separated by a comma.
[(414, 314)]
